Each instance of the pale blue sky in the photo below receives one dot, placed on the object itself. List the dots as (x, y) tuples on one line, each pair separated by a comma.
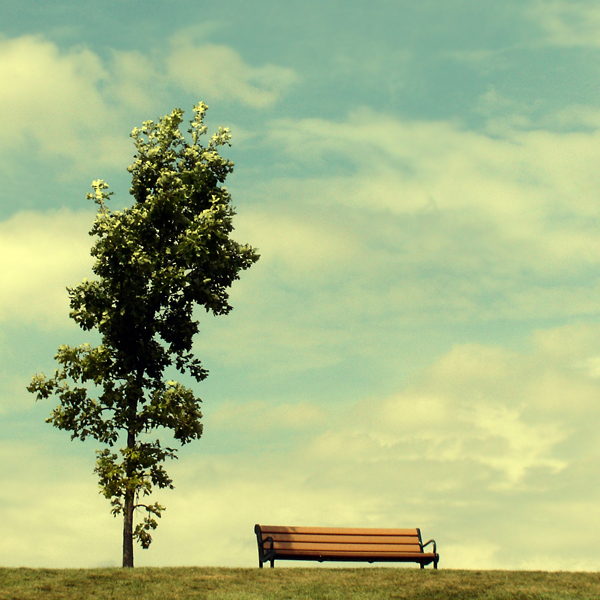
[(419, 344)]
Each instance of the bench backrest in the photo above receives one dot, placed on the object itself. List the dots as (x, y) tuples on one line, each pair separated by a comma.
[(360, 540)]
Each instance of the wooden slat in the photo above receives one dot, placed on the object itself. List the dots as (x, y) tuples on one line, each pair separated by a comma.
[(337, 530), (365, 555), (342, 539), (285, 546)]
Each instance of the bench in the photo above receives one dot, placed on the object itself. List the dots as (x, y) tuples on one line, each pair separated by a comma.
[(357, 544)]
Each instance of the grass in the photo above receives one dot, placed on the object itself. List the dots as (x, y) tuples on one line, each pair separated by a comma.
[(280, 583)]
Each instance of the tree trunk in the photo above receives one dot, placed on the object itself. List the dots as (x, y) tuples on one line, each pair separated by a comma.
[(128, 530), (128, 512)]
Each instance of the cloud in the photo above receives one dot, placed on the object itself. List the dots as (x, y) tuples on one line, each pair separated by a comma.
[(481, 440), (278, 306), (220, 72), (478, 405), (398, 224), (261, 418), (52, 512), (402, 224), (483, 209), (52, 99), (572, 23), (135, 81), (13, 395), (484, 439), (573, 117), (431, 223), (45, 252), (400, 165), (71, 104), (297, 244)]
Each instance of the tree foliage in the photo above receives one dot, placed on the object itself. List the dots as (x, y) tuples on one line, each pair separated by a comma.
[(154, 262)]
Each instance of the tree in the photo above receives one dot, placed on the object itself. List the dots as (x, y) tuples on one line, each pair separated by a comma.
[(155, 262)]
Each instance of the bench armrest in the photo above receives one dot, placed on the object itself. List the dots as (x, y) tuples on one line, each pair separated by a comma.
[(427, 544), (268, 539), (264, 554)]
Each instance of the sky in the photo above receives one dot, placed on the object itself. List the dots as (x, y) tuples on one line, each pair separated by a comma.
[(419, 344)]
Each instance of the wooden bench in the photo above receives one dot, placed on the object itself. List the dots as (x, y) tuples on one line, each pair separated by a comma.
[(325, 543)]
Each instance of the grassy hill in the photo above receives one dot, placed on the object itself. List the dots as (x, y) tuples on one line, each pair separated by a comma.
[(280, 583)]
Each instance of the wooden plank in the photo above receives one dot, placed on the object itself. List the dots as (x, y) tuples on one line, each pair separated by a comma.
[(365, 555), (308, 547), (343, 539), (337, 530)]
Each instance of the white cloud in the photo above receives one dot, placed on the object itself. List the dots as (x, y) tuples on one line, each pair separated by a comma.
[(53, 99), (52, 512), (274, 334), (473, 444), (135, 80), (433, 224), (401, 165), (73, 105), (466, 409), (297, 244), (436, 224), (573, 118), (568, 23), (261, 417), (220, 72), (13, 395), (499, 216), (43, 253)]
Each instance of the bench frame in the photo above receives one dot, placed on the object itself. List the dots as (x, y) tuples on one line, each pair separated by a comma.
[(267, 552)]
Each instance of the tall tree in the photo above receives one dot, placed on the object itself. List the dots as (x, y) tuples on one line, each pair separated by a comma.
[(155, 261)]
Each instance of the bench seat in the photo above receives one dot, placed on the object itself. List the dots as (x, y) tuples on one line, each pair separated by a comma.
[(342, 544)]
